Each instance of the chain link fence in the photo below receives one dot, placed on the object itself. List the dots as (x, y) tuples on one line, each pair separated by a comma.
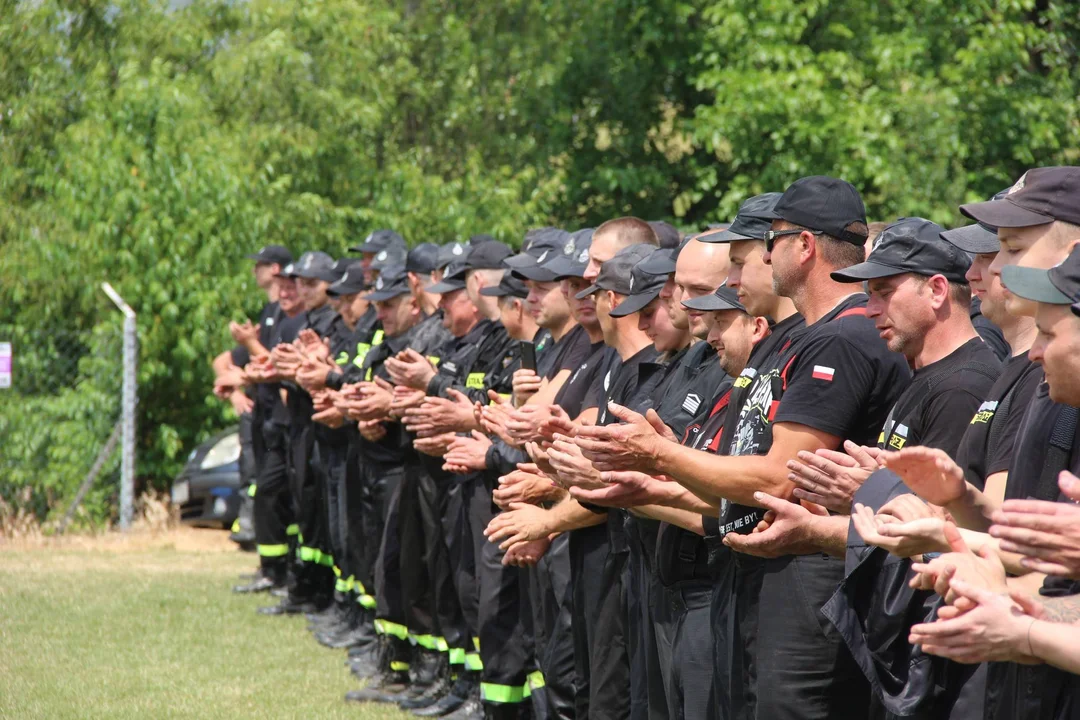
[(62, 412)]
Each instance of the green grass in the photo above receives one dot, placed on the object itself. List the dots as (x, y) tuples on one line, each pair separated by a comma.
[(154, 632)]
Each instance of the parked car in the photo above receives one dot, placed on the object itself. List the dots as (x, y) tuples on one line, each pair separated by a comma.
[(209, 489)]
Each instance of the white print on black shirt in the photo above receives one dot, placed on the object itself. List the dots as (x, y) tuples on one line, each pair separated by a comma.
[(753, 428)]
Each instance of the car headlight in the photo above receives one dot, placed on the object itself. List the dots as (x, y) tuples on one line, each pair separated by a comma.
[(225, 451)]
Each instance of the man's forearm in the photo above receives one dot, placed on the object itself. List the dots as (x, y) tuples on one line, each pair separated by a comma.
[(973, 510), (685, 519), (571, 515), (683, 499), (829, 533), (714, 477)]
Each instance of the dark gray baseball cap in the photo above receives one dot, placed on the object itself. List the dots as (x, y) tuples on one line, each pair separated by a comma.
[(547, 243), (574, 258), (617, 273), (351, 281), (644, 287), (755, 216), (724, 298), (392, 281), (380, 240), (316, 265), (910, 245)]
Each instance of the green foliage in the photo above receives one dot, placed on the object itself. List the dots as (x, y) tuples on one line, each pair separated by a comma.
[(154, 147)]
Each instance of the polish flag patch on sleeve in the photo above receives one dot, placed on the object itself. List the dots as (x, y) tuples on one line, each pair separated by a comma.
[(824, 373)]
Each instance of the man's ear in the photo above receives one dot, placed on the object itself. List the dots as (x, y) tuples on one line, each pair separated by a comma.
[(761, 329), (939, 290), (613, 299), (807, 245)]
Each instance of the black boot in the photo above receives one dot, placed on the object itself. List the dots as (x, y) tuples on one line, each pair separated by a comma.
[(443, 685), (466, 685), (386, 683)]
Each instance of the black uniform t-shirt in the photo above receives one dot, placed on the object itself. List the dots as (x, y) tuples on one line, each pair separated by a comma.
[(567, 353), (1000, 415), (935, 408), (690, 383), (582, 389), (836, 376)]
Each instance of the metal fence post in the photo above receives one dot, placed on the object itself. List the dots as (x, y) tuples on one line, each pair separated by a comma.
[(127, 410)]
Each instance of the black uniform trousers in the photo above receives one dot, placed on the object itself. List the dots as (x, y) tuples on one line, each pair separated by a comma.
[(503, 621), (600, 655), (314, 577), (551, 604), (372, 499), (457, 605), (331, 468), (796, 665), (273, 511), (682, 619)]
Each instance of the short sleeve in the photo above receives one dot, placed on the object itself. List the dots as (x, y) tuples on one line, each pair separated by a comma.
[(946, 418), (1001, 455), (828, 382), (240, 356)]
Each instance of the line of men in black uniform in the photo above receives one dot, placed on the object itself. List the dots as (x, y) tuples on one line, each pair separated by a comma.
[(777, 469)]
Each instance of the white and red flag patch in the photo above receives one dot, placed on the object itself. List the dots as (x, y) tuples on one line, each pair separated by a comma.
[(824, 373)]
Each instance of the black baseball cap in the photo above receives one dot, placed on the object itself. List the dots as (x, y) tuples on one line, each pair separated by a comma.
[(661, 262), (574, 258), (393, 255), (825, 204), (973, 238), (548, 243), (753, 219), (1060, 285), (423, 259), (616, 273), (724, 298), (316, 265), (487, 255), (508, 286), (644, 287), (351, 281), (272, 254), (666, 233), (450, 252), (480, 238), (1040, 196), (910, 245), (380, 240), (453, 279), (392, 281)]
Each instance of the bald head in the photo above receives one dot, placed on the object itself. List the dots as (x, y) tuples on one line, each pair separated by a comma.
[(701, 268)]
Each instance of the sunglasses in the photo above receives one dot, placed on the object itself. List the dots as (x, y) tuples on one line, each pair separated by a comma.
[(771, 236)]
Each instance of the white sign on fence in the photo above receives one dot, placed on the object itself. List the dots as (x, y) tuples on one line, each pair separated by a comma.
[(5, 365)]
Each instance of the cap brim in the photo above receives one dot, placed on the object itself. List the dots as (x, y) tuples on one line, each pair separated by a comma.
[(660, 262), (1003, 214), (634, 303), (866, 271), (495, 291), (366, 248), (711, 303), (386, 294), (537, 273), (344, 290), (561, 268), (587, 292), (444, 287), (973, 238), (724, 236), (1033, 284), (520, 260)]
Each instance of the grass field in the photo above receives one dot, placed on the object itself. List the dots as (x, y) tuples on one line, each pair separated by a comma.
[(146, 627)]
